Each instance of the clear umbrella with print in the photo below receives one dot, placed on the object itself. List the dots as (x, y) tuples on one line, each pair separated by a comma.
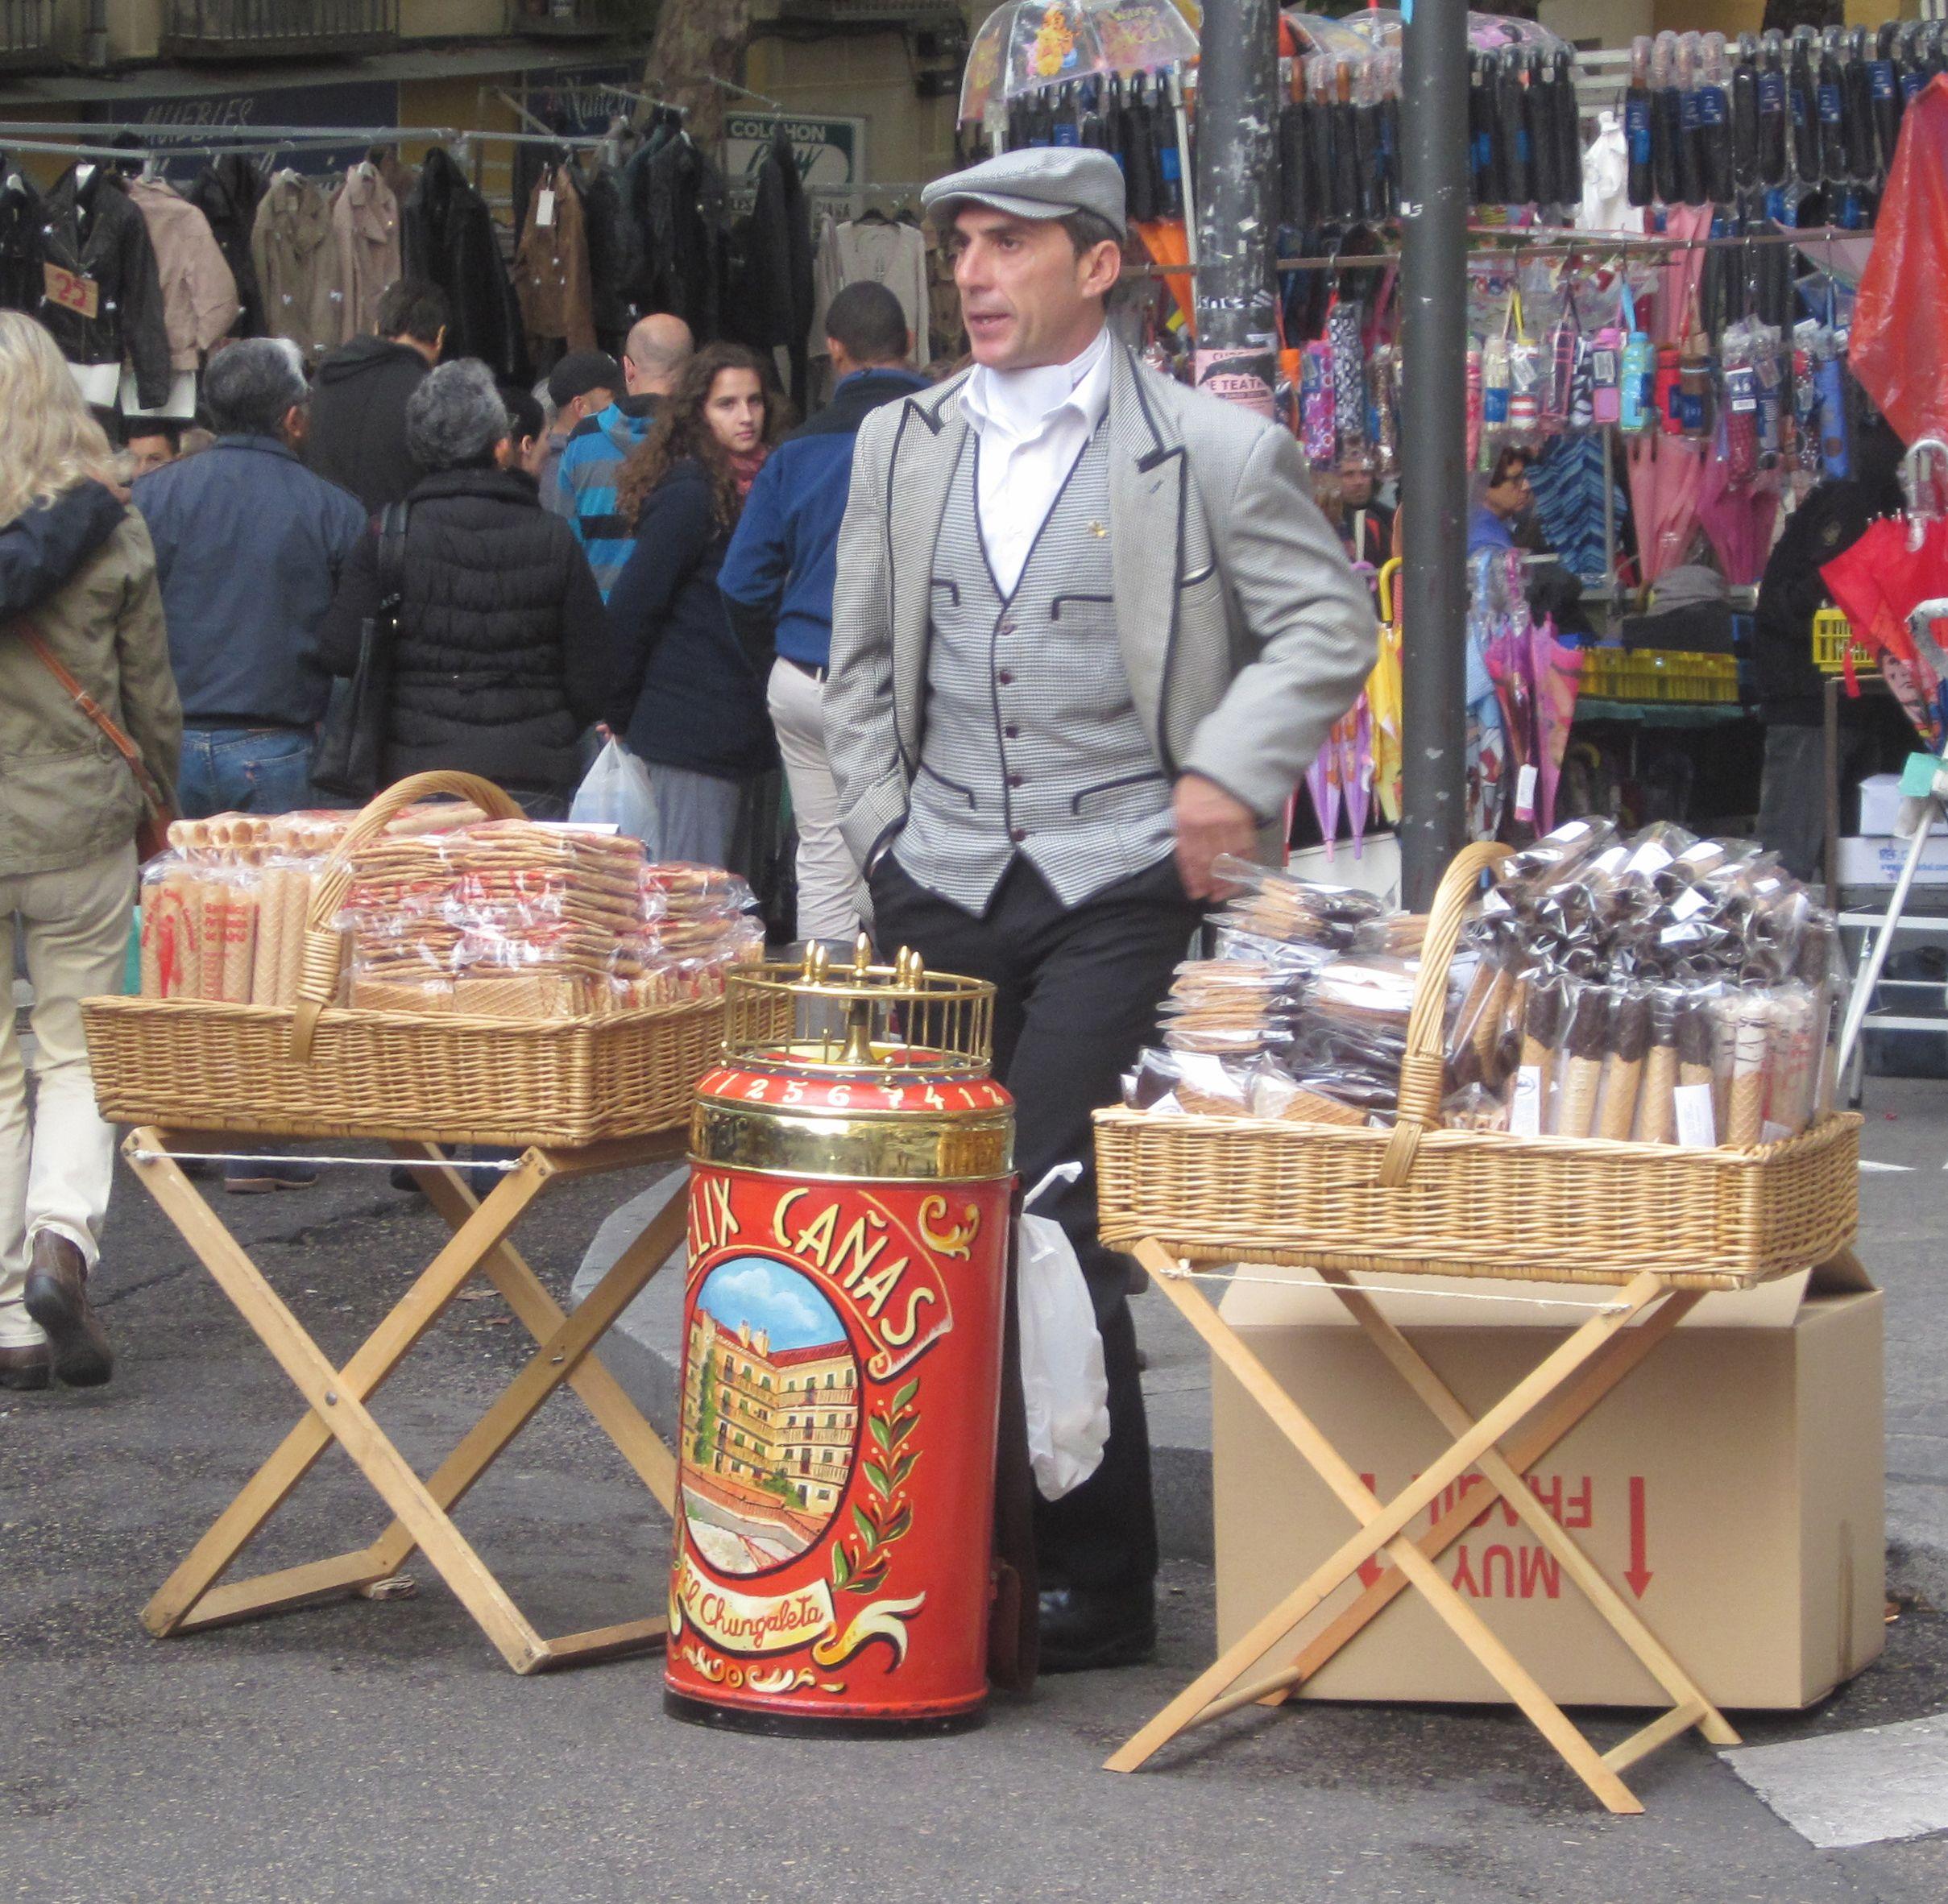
[(1027, 44)]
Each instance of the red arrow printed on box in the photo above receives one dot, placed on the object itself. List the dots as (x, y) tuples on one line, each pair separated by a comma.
[(1637, 1574)]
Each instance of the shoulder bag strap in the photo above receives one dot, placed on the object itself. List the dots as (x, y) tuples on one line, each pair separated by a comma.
[(393, 556), (151, 791)]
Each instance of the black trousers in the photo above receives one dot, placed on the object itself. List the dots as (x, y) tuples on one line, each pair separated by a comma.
[(1076, 991)]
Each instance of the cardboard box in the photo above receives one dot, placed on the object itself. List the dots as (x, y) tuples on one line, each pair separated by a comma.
[(1878, 862), (1880, 803), (1730, 1487)]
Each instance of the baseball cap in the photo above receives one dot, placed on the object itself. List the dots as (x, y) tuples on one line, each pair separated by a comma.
[(580, 372)]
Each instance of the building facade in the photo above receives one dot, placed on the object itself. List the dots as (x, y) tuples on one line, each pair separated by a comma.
[(769, 1422)]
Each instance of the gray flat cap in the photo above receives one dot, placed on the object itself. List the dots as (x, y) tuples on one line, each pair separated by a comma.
[(1037, 182)]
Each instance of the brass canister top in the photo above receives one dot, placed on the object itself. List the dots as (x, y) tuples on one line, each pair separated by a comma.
[(863, 1019)]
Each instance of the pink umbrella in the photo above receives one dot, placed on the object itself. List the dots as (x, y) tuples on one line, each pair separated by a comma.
[(1738, 521), (1666, 476), (1677, 277), (1556, 669)]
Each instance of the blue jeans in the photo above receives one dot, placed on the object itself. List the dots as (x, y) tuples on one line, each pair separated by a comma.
[(244, 770)]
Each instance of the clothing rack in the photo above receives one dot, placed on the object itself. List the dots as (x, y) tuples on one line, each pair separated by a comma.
[(216, 140)]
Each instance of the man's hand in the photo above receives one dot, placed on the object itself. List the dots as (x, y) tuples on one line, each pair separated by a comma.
[(1210, 821)]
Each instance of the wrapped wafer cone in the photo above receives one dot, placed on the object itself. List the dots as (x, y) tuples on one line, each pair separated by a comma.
[(1582, 1072), (1752, 1037), (239, 941), (269, 937), (294, 907), (1656, 1118), (1623, 1066), (1542, 1026)]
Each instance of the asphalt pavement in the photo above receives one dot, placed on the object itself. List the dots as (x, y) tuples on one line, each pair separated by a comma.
[(375, 1752)]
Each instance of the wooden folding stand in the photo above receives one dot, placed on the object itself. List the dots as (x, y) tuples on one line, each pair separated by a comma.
[(1551, 1399), (191, 1599)]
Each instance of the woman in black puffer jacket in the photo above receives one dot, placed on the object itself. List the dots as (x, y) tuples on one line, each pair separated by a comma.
[(503, 652)]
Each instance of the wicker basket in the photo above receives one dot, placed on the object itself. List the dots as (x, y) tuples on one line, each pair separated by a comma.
[(319, 1071), (1417, 1199)]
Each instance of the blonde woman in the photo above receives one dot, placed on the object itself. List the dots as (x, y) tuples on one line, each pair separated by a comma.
[(77, 571)]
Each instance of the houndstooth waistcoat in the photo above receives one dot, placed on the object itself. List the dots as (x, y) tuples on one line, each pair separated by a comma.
[(1033, 745)]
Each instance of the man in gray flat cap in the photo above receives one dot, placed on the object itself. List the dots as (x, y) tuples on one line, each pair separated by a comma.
[(1088, 635)]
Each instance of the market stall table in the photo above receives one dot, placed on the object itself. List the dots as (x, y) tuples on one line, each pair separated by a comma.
[(1545, 1406), (192, 1598)]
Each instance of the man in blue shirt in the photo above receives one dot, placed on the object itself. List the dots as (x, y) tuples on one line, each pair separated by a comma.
[(249, 546), (591, 464), (776, 583), (1507, 498)]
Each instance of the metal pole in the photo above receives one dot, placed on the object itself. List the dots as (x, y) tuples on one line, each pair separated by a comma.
[(1433, 435), (1237, 108)]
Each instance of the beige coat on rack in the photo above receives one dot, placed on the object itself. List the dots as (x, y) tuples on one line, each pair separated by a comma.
[(365, 231), (297, 265), (551, 269), (199, 293)]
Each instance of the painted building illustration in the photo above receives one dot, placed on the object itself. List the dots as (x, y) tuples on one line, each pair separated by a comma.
[(770, 1417)]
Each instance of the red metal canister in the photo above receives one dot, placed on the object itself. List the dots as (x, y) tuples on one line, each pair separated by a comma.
[(850, 1194)]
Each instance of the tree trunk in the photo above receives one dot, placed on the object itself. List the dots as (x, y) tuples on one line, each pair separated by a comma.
[(693, 39)]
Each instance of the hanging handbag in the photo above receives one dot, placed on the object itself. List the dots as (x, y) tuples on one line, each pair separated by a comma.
[(348, 758), (159, 810)]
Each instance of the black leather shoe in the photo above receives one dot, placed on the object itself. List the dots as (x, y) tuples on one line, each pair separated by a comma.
[(56, 1297), (24, 1367), (1083, 1629)]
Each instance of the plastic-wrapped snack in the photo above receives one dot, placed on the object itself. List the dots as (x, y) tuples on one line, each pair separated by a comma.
[(1547, 861), (1475, 1107), (1694, 1101), (1623, 1062), (693, 891), (1655, 1120), (1586, 1043), (1275, 1095), (1745, 1022), (171, 953), (1253, 948), (1796, 1060), (1297, 911), (1545, 1023), (1228, 1006)]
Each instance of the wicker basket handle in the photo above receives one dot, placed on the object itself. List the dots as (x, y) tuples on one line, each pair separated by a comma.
[(324, 948), (1424, 1064)]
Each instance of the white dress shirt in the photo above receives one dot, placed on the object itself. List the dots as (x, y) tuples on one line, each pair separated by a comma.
[(1031, 426)]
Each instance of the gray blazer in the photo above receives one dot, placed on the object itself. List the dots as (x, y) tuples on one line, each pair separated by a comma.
[(1244, 631)]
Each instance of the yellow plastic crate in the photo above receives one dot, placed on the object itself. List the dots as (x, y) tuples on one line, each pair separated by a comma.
[(1660, 675), (1832, 636)]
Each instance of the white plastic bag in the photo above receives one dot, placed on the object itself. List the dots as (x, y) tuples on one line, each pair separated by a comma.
[(1063, 1381), (616, 792)]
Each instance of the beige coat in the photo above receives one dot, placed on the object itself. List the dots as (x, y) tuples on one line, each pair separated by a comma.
[(365, 230), (199, 293), (551, 274), (297, 265), (66, 796)]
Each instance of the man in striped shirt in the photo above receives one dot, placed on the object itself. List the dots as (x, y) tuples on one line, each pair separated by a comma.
[(592, 461)]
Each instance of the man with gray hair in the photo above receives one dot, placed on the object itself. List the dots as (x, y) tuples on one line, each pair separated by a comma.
[(249, 546)]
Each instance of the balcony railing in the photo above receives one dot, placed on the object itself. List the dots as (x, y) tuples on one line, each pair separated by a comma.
[(269, 29), (27, 31), (580, 20)]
